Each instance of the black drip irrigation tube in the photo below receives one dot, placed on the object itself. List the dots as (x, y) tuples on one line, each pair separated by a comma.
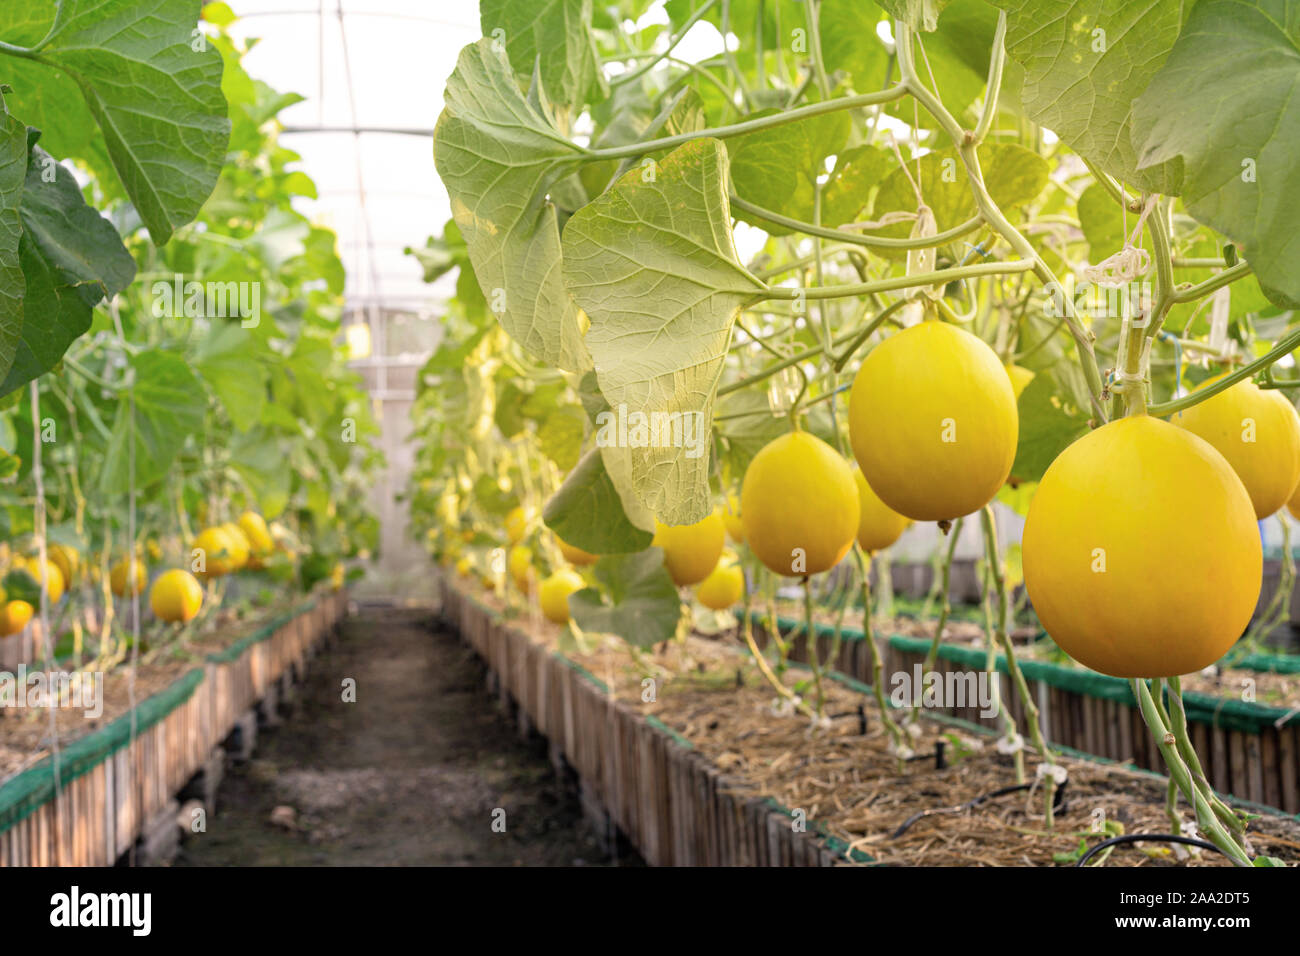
[(1057, 801), (1146, 838)]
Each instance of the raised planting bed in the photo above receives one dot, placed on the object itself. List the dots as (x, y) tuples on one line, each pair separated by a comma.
[(88, 804), (710, 772), (1249, 749)]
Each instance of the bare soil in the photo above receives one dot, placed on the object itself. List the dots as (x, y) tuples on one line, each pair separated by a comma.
[(409, 774)]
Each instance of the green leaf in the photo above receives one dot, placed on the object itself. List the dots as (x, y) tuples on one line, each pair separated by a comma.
[(655, 268), (1047, 425), (157, 101), (560, 436), (917, 14), (72, 258), (636, 599), (1085, 61), (227, 361), (1103, 223), (489, 494), (555, 36), (745, 424), (169, 403), (21, 585), (496, 153), (776, 167), (13, 172), (258, 456), (1014, 176), (850, 43), (587, 512), (1224, 106)]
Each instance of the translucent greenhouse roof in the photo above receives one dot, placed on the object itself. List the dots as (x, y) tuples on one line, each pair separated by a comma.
[(377, 67)]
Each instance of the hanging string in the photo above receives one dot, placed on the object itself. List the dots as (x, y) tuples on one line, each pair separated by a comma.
[(44, 574), (1130, 262), (133, 584)]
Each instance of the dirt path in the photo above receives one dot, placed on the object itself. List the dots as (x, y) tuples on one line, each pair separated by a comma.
[(409, 774)]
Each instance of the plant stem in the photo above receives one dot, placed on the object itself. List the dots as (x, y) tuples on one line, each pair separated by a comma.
[(899, 282), (945, 606), (672, 43), (810, 639), (991, 669), (748, 126), (989, 210), (902, 742), (1022, 686), (1178, 771), (854, 238), (1283, 348), (761, 661)]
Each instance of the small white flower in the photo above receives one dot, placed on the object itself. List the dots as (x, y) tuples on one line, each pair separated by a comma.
[(1010, 744)]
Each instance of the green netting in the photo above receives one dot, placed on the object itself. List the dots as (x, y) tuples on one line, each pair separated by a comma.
[(578, 668), (1263, 663), (22, 795), (1222, 712), (1268, 663)]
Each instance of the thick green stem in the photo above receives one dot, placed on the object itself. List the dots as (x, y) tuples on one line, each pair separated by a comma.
[(1178, 771), (1283, 348), (854, 238), (1177, 723), (749, 126), (941, 276)]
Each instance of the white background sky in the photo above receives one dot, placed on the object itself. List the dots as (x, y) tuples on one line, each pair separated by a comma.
[(400, 53)]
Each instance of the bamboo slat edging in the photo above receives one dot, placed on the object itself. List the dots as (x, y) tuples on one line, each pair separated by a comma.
[(670, 802), (1232, 750), (100, 808)]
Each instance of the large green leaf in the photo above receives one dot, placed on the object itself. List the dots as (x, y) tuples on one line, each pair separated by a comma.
[(1085, 61), (169, 403), (636, 599), (654, 266), (13, 172), (497, 153), (72, 258), (156, 100), (587, 512), (1225, 105), (554, 36)]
